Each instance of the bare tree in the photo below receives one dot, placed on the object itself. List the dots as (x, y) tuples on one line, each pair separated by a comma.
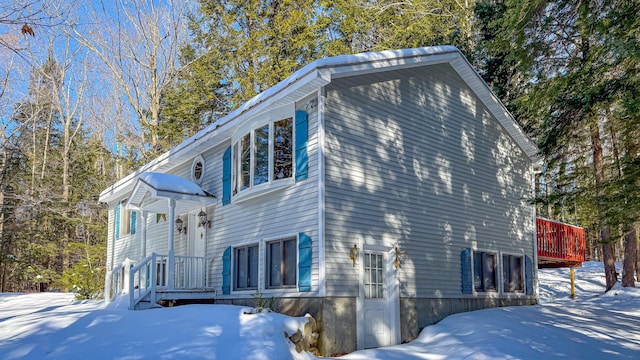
[(138, 42), (22, 19)]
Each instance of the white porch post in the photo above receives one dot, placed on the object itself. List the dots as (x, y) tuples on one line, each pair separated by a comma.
[(172, 211), (143, 235)]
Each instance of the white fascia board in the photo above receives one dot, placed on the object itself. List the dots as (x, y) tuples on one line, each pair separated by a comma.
[(383, 65), (216, 133)]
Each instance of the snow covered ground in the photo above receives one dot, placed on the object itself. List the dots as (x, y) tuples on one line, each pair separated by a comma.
[(593, 326)]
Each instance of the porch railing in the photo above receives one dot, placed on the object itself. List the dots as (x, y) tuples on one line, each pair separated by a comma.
[(151, 275), (560, 241), (116, 279)]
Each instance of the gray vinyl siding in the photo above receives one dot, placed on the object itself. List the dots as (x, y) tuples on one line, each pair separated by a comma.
[(414, 159), (126, 246), (278, 214)]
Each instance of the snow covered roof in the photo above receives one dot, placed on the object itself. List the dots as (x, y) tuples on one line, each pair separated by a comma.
[(312, 77), (152, 189), (171, 183)]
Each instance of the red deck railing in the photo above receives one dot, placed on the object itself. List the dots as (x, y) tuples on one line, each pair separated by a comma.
[(559, 244)]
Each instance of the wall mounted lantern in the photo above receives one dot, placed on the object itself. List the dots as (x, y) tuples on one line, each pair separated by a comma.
[(180, 226), (353, 254), (202, 219)]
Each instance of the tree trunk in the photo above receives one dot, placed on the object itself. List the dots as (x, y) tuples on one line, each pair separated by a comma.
[(630, 257), (608, 259), (608, 252), (45, 152), (3, 165), (637, 257)]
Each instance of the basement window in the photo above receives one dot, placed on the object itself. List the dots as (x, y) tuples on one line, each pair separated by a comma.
[(484, 271), (512, 273)]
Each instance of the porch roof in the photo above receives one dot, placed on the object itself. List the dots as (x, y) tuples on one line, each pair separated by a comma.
[(152, 190)]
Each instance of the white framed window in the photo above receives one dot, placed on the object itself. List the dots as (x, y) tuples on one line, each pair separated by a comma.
[(125, 220), (281, 263), (373, 276), (245, 269), (197, 169), (513, 273), (262, 155), (485, 271)]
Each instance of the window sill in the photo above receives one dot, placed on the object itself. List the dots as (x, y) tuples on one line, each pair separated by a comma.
[(261, 189), (244, 291)]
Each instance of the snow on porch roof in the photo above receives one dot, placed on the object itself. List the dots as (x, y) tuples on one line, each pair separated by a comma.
[(153, 189)]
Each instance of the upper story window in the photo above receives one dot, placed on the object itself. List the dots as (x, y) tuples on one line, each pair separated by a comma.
[(197, 169), (267, 153), (262, 155)]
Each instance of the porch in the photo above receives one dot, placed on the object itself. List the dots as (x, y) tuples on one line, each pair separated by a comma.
[(168, 276), (559, 244), (150, 281)]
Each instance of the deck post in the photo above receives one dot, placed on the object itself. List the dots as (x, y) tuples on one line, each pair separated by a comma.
[(170, 265), (573, 288)]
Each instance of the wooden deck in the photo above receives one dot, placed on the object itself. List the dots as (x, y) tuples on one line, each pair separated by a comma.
[(559, 244)]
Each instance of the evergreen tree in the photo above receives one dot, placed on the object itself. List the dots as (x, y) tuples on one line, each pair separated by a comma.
[(580, 61)]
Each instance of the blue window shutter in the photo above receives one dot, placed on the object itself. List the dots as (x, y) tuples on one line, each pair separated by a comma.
[(226, 177), (528, 268), (133, 223), (467, 278), (226, 271), (304, 262), (302, 135), (117, 221)]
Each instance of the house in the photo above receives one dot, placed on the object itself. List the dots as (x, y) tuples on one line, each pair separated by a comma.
[(379, 192)]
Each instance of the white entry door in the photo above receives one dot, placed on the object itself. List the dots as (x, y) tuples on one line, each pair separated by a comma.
[(197, 236), (197, 241), (379, 320)]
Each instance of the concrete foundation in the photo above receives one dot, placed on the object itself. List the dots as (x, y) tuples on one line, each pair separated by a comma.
[(417, 313), (336, 316)]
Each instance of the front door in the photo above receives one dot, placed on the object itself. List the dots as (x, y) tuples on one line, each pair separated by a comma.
[(197, 240), (197, 236), (378, 301)]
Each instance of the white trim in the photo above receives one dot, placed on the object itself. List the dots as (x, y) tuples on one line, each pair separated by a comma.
[(249, 127), (495, 293), (360, 323), (391, 288), (322, 286), (287, 289), (232, 279), (501, 274), (391, 64), (262, 189), (197, 159)]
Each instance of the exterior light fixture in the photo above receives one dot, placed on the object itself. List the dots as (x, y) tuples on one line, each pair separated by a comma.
[(353, 254), (310, 105), (180, 226), (202, 219)]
